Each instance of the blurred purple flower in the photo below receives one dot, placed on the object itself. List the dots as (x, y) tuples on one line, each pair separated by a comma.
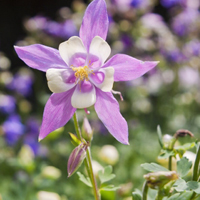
[(63, 30), (78, 76), (184, 23), (13, 129), (68, 29), (7, 104), (188, 77), (192, 48), (36, 23), (31, 134), (125, 5), (156, 20), (169, 3), (127, 41), (136, 3), (22, 83), (194, 4), (174, 55)]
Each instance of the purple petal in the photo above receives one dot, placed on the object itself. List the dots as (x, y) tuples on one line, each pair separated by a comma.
[(57, 112), (107, 109), (95, 22), (40, 57), (128, 68)]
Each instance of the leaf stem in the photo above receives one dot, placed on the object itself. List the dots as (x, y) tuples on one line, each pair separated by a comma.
[(170, 163), (77, 128), (159, 195), (144, 191), (88, 161), (92, 176), (196, 165)]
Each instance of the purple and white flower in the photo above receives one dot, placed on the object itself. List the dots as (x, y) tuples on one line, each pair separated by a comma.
[(79, 75)]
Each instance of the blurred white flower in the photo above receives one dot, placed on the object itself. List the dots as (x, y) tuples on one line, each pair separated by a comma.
[(51, 172), (43, 195), (109, 154), (4, 62), (96, 167)]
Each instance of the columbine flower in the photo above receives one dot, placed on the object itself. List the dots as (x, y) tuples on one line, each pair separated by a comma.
[(79, 77)]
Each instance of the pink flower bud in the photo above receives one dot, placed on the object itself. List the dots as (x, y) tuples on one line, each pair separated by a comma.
[(76, 158), (87, 131)]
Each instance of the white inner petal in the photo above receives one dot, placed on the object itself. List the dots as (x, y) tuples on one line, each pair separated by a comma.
[(107, 84), (84, 95), (100, 48), (60, 80), (71, 47)]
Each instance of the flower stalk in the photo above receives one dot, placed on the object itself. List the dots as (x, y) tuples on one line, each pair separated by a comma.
[(88, 161), (196, 165), (145, 191)]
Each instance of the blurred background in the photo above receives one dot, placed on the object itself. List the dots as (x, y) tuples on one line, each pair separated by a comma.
[(151, 30)]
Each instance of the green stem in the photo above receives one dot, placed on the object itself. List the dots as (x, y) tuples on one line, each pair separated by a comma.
[(193, 196), (88, 161), (144, 191), (92, 176), (159, 195), (77, 128), (196, 165), (170, 163)]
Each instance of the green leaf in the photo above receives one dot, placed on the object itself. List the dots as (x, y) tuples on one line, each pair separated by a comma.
[(159, 132), (153, 167), (186, 146), (180, 185), (136, 196), (84, 179), (183, 148), (106, 174), (194, 185), (183, 166), (182, 196), (74, 139), (110, 188), (166, 154)]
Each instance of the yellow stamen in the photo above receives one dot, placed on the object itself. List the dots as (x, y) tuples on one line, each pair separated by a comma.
[(81, 73)]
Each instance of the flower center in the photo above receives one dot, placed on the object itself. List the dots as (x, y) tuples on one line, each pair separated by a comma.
[(81, 73)]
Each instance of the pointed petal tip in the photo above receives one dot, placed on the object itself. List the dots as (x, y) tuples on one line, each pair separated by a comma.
[(39, 139), (156, 62), (16, 47), (126, 142)]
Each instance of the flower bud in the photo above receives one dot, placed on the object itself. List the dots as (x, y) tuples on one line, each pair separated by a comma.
[(168, 141), (157, 180), (183, 133), (76, 158), (87, 132)]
